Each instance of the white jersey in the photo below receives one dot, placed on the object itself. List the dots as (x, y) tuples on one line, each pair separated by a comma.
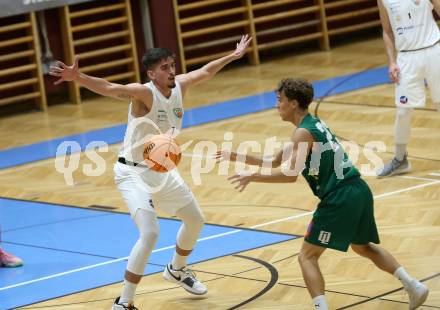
[(165, 116), (413, 23)]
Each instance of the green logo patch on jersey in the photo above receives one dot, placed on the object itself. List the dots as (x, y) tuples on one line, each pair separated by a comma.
[(178, 112)]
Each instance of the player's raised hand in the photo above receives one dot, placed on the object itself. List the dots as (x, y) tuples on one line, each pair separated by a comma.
[(64, 72), (394, 73), (240, 180), (242, 46)]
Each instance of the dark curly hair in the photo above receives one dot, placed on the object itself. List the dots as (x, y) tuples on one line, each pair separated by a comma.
[(297, 89), (155, 55)]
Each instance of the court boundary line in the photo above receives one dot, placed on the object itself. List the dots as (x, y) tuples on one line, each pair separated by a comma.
[(205, 238), (127, 213), (274, 275), (293, 237), (174, 287)]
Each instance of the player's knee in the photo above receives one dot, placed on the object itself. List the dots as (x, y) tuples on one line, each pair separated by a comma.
[(200, 220), (363, 250), (305, 256), (196, 223), (360, 250), (193, 217), (150, 234)]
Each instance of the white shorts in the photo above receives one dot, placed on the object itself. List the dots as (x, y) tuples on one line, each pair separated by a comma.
[(415, 68), (143, 188)]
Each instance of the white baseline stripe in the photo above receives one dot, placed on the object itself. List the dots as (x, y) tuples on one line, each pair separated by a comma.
[(205, 238), (418, 178), (406, 189)]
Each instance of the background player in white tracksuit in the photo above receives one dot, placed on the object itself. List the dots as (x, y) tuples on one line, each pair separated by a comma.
[(155, 107), (412, 42)]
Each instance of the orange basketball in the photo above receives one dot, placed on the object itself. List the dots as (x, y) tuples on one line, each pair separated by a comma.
[(162, 153)]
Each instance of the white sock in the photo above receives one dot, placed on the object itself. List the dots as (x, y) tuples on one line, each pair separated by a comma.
[(400, 151), (128, 291), (178, 261), (320, 303), (403, 276)]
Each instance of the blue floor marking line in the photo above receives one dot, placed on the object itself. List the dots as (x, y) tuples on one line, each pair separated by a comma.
[(73, 238), (193, 117), (42, 213)]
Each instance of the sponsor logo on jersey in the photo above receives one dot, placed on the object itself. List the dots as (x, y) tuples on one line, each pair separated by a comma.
[(324, 236), (178, 112), (401, 30), (403, 99)]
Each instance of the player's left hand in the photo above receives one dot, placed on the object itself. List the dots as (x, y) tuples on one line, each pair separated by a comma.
[(65, 73), (242, 46), (241, 180)]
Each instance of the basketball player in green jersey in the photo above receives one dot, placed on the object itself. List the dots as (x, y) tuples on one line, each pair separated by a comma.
[(345, 215)]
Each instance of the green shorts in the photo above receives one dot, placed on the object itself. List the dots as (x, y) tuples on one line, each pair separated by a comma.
[(343, 217)]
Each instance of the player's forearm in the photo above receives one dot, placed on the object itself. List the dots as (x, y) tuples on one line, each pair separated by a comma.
[(276, 176), (215, 66), (250, 160), (389, 47), (95, 84), (257, 161)]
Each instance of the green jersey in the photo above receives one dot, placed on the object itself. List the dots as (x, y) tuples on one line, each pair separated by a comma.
[(327, 166)]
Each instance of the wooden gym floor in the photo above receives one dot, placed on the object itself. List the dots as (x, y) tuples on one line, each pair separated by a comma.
[(407, 207)]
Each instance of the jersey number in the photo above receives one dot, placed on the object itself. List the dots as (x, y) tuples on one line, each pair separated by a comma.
[(328, 135)]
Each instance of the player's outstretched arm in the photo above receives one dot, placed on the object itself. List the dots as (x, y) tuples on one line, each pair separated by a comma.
[(210, 69), (273, 162), (301, 147), (436, 4), (233, 156), (134, 91)]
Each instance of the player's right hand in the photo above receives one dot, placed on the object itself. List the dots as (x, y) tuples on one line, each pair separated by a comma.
[(64, 72), (394, 73), (242, 46), (225, 155)]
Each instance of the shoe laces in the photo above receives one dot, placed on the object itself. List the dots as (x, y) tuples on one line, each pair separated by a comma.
[(395, 163), (188, 272)]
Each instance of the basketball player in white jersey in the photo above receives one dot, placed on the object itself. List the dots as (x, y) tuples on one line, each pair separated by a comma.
[(412, 42), (154, 106)]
